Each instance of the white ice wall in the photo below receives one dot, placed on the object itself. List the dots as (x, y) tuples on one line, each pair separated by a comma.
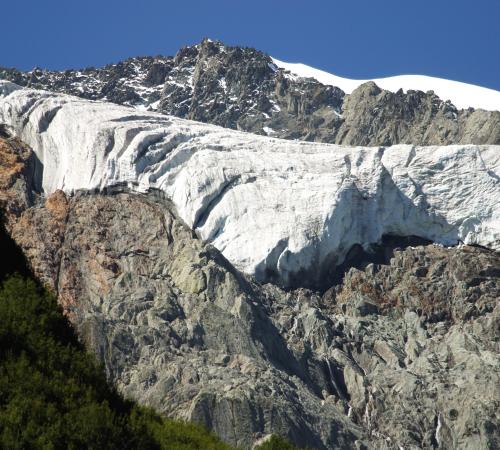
[(265, 203)]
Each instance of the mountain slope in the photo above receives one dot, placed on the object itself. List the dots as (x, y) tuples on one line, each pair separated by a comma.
[(55, 395), (242, 88)]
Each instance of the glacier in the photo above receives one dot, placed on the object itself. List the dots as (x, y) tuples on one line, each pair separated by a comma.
[(276, 209)]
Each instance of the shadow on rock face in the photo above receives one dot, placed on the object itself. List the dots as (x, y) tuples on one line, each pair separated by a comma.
[(12, 259), (380, 253), (370, 228)]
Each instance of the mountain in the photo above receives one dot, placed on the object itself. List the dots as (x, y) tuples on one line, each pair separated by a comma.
[(244, 89), (179, 328), (340, 296)]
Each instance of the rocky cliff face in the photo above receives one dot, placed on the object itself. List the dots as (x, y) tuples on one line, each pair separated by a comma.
[(243, 89), (401, 354)]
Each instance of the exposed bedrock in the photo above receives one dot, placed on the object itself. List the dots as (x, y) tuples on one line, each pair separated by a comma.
[(287, 212), (399, 355)]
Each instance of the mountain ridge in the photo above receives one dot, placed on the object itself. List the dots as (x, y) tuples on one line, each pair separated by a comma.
[(462, 95), (242, 88)]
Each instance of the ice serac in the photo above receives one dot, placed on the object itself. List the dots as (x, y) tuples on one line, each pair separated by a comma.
[(279, 210)]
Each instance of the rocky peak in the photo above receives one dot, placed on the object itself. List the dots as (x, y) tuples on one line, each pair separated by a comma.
[(239, 88), (373, 114)]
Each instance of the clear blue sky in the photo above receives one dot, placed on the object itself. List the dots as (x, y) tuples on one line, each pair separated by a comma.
[(454, 39)]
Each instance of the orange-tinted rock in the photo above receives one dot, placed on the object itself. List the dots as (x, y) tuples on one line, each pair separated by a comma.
[(57, 204)]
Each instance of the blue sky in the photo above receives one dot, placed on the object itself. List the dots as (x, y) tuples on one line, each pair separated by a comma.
[(455, 39)]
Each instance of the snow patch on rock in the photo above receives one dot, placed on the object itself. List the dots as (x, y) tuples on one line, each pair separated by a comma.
[(276, 209)]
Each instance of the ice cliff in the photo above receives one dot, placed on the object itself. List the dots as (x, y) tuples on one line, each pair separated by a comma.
[(276, 209)]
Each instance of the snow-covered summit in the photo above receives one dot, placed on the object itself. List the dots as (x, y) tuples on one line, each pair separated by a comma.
[(462, 95), (277, 209)]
